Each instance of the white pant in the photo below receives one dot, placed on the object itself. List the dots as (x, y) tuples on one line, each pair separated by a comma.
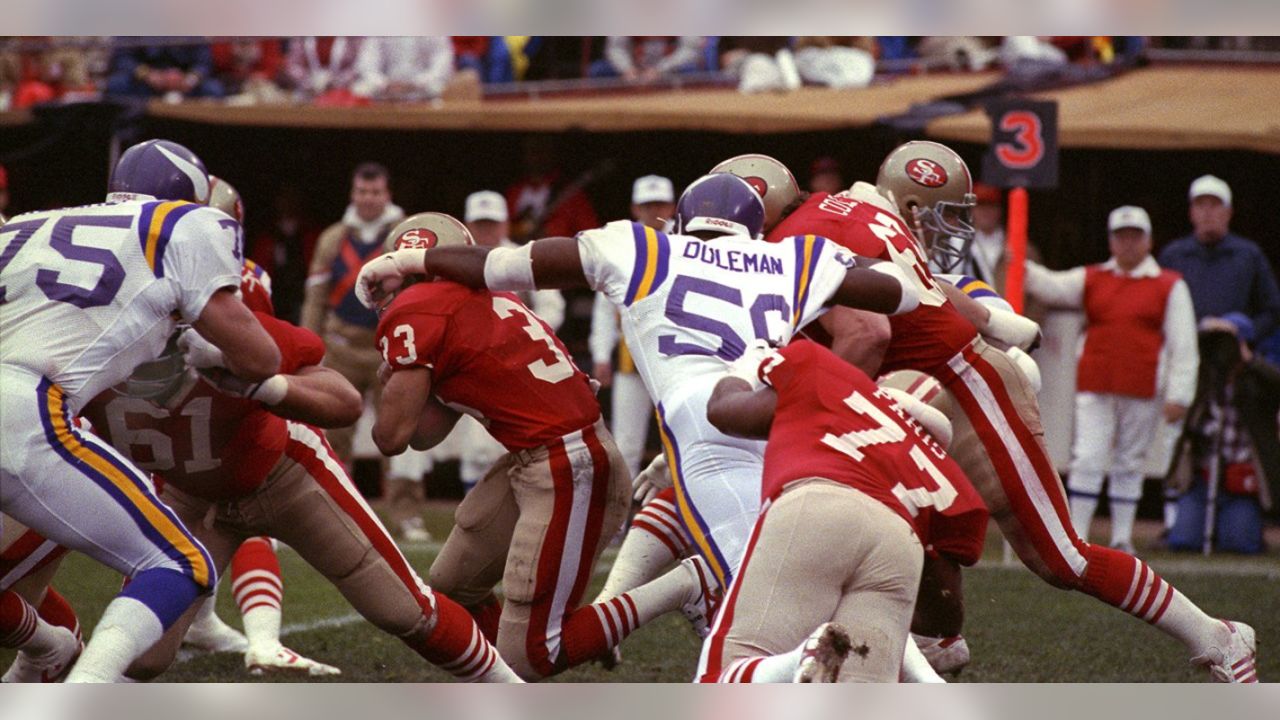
[(1112, 434), (717, 479), (632, 409), (79, 492)]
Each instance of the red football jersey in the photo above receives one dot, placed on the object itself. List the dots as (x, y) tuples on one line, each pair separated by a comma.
[(203, 442), (489, 356), (833, 422), (255, 288), (924, 338)]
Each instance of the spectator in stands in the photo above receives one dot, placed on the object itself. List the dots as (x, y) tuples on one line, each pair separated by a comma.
[(1230, 440), (760, 63), (404, 68), (1137, 366), (645, 59), (320, 65), (957, 52), (1226, 273), (250, 68), (824, 176), (35, 70), (174, 68), (543, 203), (331, 308), (653, 203), (836, 62)]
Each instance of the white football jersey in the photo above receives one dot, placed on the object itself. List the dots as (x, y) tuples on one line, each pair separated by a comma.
[(691, 306), (88, 293)]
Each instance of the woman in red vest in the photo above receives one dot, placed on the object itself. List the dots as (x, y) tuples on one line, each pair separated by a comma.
[(1137, 366)]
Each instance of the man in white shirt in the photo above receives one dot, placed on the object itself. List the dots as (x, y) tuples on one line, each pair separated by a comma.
[(1137, 365), (653, 203)]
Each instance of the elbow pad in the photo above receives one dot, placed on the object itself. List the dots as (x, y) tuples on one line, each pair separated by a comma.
[(509, 269), (1012, 329), (910, 297)]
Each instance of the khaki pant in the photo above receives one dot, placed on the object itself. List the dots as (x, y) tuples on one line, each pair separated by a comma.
[(308, 503), (538, 522), (822, 552), (350, 350), (28, 561), (998, 441)]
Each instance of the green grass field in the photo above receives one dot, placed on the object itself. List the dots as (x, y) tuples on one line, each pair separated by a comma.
[(1020, 630)]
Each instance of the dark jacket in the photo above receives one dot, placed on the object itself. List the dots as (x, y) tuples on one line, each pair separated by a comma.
[(1231, 275)]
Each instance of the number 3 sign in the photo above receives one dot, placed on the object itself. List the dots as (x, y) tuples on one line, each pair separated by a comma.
[(1024, 144)]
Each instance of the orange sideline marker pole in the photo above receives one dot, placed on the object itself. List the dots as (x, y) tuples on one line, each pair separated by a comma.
[(1016, 237)]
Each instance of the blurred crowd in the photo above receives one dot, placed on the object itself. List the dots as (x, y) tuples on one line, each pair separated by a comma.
[(350, 71)]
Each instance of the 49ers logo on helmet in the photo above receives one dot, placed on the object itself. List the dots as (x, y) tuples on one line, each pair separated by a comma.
[(758, 184), (927, 173), (417, 239)]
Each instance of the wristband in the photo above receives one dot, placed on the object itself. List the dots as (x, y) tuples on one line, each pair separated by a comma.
[(271, 391)]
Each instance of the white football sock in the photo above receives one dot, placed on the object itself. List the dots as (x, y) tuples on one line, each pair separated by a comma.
[(1123, 513), (1082, 512), (127, 629), (778, 668), (915, 668), (641, 558)]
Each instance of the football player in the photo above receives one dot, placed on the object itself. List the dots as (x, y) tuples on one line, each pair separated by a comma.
[(243, 460), (853, 492), (546, 509), (89, 293), (690, 303), (35, 619), (923, 194)]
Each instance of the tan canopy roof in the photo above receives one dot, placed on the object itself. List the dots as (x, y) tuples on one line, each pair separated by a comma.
[(1158, 108)]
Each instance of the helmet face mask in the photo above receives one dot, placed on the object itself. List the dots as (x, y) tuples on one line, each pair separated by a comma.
[(933, 190)]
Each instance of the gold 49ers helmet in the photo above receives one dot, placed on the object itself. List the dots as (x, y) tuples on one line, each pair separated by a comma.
[(933, 191), (428, 230), (223, 196), (770, 178)]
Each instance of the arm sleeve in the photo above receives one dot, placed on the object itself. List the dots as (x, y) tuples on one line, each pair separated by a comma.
[(1266, 299), (608, 256), (1181, 353), (604, 330), (617, 50), (410, 339), (687, 52), (299, 347), (203, 257), (1062, 289), (439, 65), (828, 272)]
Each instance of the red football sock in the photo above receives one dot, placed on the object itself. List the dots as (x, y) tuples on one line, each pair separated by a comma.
[(17, 620), (55, 610), (259, 592), (456, 644)]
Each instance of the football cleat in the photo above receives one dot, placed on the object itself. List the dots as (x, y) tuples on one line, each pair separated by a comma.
[(945, 655), (281, 659), (823, 654), (1236, 663), (50, 668), (700, 608), (413, 530), (210, 634)]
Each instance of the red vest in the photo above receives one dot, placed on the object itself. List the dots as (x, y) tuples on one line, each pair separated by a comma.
[(1125, 331)]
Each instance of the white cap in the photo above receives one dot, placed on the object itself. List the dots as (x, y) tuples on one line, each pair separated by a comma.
[(652, 188), (1129, 216), (485, 205), (1211, 185)]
